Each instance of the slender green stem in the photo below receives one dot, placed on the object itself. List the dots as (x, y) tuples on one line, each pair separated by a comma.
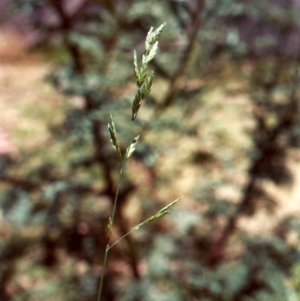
[(120, 177), (116, 196), (113, 214), (103, 271), (107, 245)]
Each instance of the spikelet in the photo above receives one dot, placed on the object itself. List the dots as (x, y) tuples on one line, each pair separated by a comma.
[(141, 94), (132, 147), (162, 212), (114, 140)]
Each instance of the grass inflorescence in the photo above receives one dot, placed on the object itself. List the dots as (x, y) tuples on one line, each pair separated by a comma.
[(144, 82)]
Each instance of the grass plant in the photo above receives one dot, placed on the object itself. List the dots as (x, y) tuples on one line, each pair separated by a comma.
[(144, 83)]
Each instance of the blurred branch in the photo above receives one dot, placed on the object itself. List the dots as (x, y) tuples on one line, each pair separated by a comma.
[(25, 184), (99, 139), (66, 27), (287, 119), (160, 70), (90, 101), (178, 75), (31, 186), (132, 250)]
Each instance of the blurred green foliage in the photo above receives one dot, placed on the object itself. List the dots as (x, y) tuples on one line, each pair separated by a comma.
[(218, 129)]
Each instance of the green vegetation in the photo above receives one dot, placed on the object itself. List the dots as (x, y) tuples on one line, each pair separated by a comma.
[(220, 128)]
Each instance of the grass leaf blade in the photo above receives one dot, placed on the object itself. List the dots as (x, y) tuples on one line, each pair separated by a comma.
[(114, 139)]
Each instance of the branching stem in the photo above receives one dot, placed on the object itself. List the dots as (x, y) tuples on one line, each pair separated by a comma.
[(107, 248)]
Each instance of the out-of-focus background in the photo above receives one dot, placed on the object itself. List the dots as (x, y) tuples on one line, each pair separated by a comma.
[(221, 129)]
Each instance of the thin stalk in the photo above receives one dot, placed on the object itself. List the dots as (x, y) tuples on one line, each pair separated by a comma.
[(107, 248), (103, 271), (120, 178)]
